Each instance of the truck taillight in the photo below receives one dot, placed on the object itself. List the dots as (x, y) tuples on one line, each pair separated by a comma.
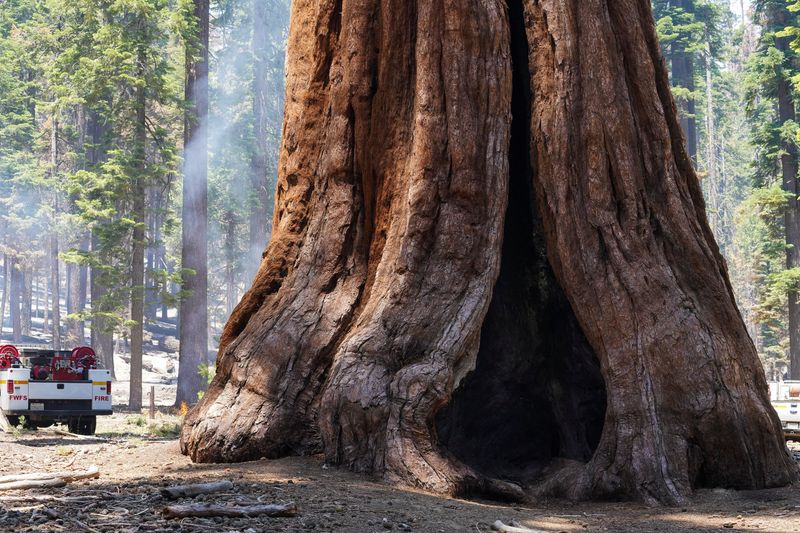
[(10, 386), (108, 388)]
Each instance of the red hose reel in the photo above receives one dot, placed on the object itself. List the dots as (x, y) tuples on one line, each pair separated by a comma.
[(77, 366), (9, 356)]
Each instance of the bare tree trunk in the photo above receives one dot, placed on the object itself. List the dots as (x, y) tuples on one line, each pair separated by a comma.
[(6, 274), (76, 297), (194, 248), (137, 298), (16, 299), (55, 287), (711, 148), (73, 297), (26, 292), (46, 292), (230, 258), (151, 296), (102, 335), (683, 76), (138, 243), (83, 290), (55, 278), (35, 289), (419, 138), (161, 259)]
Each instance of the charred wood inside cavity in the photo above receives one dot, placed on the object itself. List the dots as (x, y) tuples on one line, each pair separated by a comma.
[(537, 392)]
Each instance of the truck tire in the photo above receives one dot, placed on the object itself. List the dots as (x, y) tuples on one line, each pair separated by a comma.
[(13, 421), (82, 425)]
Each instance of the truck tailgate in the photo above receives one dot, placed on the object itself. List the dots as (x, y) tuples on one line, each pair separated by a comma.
[(57, 390)]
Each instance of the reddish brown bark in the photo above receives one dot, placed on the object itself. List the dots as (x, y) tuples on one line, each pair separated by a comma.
[(427, 143), (629, 242)]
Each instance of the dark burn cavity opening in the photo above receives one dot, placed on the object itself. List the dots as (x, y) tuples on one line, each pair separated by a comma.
[(537, 393)]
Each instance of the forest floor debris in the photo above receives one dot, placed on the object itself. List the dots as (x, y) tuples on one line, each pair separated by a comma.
[(136, 461)]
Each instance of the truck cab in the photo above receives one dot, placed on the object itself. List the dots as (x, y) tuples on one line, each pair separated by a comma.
[(54, 386)]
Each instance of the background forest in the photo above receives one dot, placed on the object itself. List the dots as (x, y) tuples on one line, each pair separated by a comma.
[(93, 165), (96, 155)]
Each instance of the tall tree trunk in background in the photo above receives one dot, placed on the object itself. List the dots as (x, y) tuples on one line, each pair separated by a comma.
[(55, 288), (73, 298), (160, 253), (167, 288), (55, 278), (46, 290), (16, 299), (75, 272), (150, 296), (683, 76), (230, 263), (102, 337), (76, 296), (4, 301), (68, 298), (138, 243), (137, 294), (374, 301), (711, 147), (194, 249), (26, 291), (36, 291), (83, 289), (789, 164), (259, 201)]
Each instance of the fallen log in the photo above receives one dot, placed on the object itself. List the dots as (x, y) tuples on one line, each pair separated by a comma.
[(49, 498), (200, 510), (190, 491), (503, 528), (68, 477), (76, 436), (33, 484)]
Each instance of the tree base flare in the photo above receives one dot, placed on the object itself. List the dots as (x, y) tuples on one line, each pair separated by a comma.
[(491, 266)]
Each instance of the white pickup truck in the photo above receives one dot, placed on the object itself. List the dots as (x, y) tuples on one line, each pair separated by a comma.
[(785, 398), (47, 386)]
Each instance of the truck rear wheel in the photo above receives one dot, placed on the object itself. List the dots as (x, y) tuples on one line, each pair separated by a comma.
[(82, 425)]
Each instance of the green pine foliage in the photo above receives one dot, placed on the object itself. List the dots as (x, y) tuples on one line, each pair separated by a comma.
[(745, 200), (74, 68)]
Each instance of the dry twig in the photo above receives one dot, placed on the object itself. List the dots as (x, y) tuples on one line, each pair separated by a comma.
[(500, 526), (190, 491), (210, 509)]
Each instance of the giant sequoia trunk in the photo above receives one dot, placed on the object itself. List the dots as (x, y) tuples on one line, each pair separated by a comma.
[(490, 261)]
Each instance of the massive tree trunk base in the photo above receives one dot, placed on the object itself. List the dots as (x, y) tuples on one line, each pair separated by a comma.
[(491, 272)]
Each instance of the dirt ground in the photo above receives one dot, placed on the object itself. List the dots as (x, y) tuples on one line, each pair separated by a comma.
[(137, 457)]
